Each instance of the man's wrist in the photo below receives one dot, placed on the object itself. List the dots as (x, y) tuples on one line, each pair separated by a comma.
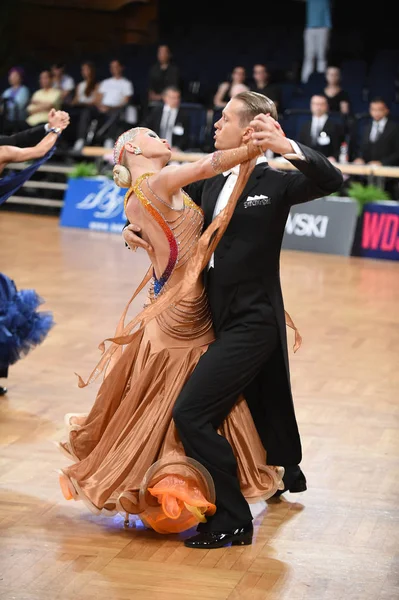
[(295, 153)]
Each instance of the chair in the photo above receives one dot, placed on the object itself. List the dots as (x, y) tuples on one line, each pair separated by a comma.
[(198, 124), (292, 121), (356, 134)]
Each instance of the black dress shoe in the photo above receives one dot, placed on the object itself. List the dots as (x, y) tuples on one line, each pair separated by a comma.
[(217, 539), (3, 390), (294, 481)]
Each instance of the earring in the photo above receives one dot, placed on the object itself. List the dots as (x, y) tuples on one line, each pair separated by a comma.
[(137, 150)]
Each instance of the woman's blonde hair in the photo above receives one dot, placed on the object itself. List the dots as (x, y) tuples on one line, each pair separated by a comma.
[(121, 173)]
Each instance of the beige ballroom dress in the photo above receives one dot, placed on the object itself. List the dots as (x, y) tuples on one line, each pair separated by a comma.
[(127, 454)]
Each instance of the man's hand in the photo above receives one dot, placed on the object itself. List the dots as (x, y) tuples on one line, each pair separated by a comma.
[(58, 118), (269, 135), (133, 240)]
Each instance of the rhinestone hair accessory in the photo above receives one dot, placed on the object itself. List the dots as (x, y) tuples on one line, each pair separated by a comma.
[(122, 140)]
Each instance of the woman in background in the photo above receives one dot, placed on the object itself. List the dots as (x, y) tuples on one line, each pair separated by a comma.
[(228, 89)]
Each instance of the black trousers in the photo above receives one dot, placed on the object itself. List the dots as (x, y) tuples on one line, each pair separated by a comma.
[(108, 123), (222, 373), (3, 371)]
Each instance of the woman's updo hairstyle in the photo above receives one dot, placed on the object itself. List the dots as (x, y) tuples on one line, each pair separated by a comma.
[(122, 176)]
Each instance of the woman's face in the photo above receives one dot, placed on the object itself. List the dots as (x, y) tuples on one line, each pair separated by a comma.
[(14, 78), (86, 71), (333, 76), (239, 75), (151, 145)]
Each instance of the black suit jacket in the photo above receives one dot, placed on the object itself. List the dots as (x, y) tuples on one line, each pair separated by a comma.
[(24, 139), (247, 276), (332, 130), (153, 121), (385, 148)]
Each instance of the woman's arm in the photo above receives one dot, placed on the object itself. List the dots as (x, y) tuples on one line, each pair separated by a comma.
[(10, 154), (170, 179), (218, 98)]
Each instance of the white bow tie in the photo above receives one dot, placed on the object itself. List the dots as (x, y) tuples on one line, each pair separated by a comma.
[(235, 171)]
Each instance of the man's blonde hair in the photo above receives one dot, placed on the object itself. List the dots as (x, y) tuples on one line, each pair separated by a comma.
[(255, 104)]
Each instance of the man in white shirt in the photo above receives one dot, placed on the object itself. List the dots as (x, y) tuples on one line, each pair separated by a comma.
[(114, 95)]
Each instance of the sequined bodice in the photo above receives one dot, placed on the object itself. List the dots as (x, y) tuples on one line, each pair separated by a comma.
[(182, 231), (190, 318)]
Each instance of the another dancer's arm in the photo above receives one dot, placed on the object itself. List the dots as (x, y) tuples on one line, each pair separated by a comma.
[(9, 154)]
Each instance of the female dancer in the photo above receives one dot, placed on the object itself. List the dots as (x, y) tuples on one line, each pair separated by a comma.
[(22, 327), (128, 456)]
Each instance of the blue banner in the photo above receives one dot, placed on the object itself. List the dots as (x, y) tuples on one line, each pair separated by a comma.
[(380, 230), (94, 203)]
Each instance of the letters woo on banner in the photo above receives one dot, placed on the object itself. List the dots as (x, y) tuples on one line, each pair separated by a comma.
[(380, 230)]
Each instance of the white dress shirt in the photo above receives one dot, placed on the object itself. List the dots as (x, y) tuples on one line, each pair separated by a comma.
[(377, 128), (231, 178), (167, 124), (317, 126)]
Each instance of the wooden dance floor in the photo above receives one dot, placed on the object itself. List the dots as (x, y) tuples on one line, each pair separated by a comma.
[(337, 541)]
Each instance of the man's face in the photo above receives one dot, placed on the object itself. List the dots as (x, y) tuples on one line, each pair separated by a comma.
[(259, 73), (57, 71), (163, 54), (229, 129), (172, 98), (318, 106), (378, 110), (116, 68)]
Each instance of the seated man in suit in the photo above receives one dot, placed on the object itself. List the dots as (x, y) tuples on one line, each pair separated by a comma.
[(321, 132), (170, 121), (380, 142)]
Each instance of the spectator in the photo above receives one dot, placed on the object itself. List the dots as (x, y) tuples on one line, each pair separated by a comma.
[(228, 89), (63, 82), (170, 121), (86, 90), (316, 37), (43, 100), (111, 101), (337, 98), (321, 132), (380, 144), (16, 99), (262, 85), (85, 97), (164, 73)]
